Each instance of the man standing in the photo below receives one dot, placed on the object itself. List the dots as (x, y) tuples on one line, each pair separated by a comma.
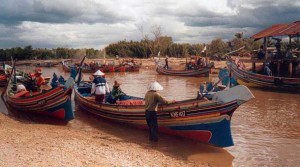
[(99, 87), (152, 99), (166, 63)]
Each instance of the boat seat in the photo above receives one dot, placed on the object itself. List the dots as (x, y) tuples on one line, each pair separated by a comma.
[(84, 90)]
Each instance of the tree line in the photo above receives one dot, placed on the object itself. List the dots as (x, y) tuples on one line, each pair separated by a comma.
[(146, 48), (28, 53)]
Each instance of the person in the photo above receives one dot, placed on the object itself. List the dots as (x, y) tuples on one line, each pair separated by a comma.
[(31, 83), (278, 49), (116, 92), (203, 62), (99, 87), (21, 88), (61, 80), (152, 99), (166, 63), (21, 91), (267, 70), (39, 78), (261, 54), (54, 81)]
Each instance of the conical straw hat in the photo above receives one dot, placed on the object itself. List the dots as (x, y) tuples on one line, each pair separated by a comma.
[(155, 86), (98, 73)]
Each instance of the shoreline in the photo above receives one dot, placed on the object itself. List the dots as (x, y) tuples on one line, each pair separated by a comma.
[(33, 144)]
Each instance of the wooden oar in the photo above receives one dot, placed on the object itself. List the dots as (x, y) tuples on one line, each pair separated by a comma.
[(79, 70)]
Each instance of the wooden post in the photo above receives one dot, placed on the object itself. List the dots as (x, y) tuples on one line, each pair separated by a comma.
[(291, 69), (253, 66), (266, 47), (278, 68)]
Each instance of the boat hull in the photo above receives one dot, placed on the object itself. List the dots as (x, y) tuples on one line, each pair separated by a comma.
[(248, 78), (203, 72), (204, 121), (55, 103), (107, 69)]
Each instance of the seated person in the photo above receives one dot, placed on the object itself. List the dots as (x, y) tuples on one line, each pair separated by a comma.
[(31, 83), (261, 54), (21, 91), (21, 88), (117, 93), (54, 82), (267, 70), (62, 80)]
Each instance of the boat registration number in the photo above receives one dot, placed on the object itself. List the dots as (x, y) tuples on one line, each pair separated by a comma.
[(177, 114)]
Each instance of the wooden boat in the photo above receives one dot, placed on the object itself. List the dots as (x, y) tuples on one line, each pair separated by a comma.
[(46, 64), (106, 68), (202, 120), (3, 80), (253, 79), (201, 72), (54, 102)]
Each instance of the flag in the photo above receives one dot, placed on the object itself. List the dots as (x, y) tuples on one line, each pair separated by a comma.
[(204, 49)]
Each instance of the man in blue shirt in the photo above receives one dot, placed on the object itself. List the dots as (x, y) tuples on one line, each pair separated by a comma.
[(99, 87)]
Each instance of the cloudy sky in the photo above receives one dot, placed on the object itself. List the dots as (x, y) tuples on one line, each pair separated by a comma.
[(97, 23)]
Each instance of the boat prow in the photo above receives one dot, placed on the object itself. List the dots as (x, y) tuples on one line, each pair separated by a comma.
[(240, 93)]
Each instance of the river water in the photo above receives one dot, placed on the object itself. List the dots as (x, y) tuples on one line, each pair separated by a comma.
[(266, 130)]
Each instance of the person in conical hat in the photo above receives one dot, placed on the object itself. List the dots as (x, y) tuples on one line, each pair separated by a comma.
[(152, 99), (155, 86), (99, 87), (98, 73)]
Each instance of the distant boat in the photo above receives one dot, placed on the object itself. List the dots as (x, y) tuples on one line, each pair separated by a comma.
[(201, 72), (106, 68), (46, 64), (207, 121)]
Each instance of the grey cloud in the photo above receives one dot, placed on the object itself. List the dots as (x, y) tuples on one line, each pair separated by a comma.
[(14, 12), (260, 17)]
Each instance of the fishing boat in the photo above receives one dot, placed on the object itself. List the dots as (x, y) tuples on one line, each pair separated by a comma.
[(105, 68), (253, 79), (281, 67), (52, 102), (3, 80), (201, 72), (207, 121), (4, 74), (46, 64), (195, 67)]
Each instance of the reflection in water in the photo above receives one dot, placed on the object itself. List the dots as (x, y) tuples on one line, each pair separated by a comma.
[(266, 130)]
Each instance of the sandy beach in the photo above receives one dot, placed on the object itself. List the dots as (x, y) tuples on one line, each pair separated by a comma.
[(26, 143)]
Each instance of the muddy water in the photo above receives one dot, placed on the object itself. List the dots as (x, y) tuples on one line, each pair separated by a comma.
[(266, 130)]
